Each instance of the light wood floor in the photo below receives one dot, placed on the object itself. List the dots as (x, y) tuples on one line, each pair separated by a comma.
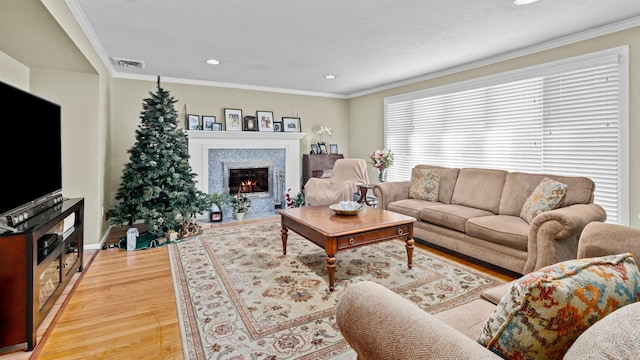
[(122, 306)]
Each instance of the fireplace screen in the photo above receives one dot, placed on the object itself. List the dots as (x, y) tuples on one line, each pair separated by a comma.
[(248, 178)]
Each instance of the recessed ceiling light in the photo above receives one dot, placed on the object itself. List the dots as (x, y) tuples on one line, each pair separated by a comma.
[(329, 76), (523, 2), (213, 62)]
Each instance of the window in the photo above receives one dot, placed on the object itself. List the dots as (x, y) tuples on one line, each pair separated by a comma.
[(568, 117)]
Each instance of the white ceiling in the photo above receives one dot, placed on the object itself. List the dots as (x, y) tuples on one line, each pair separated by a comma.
[(290, 45)]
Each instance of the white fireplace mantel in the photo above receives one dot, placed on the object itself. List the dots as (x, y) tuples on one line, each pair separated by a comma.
[(201, 141)]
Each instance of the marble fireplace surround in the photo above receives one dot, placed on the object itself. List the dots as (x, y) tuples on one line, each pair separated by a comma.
[(200, 142)]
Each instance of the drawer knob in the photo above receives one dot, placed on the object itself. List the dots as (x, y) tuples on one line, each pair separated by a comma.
[(399, 231), (351, 241)]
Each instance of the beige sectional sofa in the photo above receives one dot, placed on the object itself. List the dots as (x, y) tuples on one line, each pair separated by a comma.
[(380, 324), (477, 213)]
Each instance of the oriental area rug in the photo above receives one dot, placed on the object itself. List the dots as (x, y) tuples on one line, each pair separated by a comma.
[(240, 298)]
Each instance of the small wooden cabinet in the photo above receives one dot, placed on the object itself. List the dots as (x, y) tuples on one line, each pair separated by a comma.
[(36, 263), (314, 164)]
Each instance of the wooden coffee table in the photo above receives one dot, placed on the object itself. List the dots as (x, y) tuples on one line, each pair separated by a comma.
[(323, 227)]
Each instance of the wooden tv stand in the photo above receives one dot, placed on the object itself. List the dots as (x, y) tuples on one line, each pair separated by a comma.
[(36, 263)]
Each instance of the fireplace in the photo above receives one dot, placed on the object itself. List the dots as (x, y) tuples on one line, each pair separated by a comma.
[(209, 150), (249, 177)]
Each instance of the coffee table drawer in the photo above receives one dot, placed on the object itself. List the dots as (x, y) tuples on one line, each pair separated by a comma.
[(394, 232)]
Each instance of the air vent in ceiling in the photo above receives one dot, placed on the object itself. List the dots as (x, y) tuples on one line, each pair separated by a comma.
[(128, 62)]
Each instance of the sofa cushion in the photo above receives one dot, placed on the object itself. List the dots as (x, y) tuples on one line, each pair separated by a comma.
[(546, 196), (409, 207), (425, 184), (450, 216), (544, 312), (505, 230), (468, 318), (616, 337), (479, 188), (448, 178), (518, 186), (495, 294)]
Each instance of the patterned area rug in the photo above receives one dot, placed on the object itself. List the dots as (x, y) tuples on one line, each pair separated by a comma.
[(240, 298)]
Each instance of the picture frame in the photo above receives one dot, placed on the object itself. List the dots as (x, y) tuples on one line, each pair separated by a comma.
[(315, 149), (265, 120), (333, 148), (277, 126), (250, 123), (193, 122), (323, 148), (207, 122), (233, 119), (217, 126), (215, 216), (290, 124)]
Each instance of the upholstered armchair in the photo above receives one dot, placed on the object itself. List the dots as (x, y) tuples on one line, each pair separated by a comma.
[(342, 183)]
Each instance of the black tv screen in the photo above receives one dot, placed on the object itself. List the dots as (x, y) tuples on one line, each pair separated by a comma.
[(31, 149)]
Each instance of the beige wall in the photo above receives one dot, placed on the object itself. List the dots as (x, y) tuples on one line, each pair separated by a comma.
[(13, 72), (89, 101), (128, 96), (76, 93), (82, 91), (366, 112)]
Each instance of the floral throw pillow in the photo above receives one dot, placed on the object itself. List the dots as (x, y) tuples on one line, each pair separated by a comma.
[(546, 196), (425, 184), (544, 312)]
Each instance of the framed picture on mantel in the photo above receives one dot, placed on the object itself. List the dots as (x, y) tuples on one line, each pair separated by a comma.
[(233, 119), (193, 122), (265, 120), (208, 121), (291, 124), (250, 123)]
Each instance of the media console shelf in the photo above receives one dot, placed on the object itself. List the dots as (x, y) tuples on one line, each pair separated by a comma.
[(36, 263)]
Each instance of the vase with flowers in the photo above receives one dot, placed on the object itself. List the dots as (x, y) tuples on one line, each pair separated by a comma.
[(240, 203), (382, 160)]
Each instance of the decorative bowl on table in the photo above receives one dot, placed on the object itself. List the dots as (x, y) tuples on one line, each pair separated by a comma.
[(347, 208)]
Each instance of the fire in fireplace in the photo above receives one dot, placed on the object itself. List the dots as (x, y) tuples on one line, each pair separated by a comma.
[(251, 178), (248, 185)]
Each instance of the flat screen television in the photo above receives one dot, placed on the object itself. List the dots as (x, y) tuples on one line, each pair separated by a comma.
[(31, 149)]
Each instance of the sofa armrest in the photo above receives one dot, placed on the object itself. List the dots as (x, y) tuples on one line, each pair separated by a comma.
[(390, 191), (553, 235), (380, 324), (601, 239)]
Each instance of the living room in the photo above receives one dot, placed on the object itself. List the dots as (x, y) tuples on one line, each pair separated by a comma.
[(102, 111), (105, 109)]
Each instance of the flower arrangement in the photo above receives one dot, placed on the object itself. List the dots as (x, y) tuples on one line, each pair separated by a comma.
[(381, 159), (240, 202), (322, 130)]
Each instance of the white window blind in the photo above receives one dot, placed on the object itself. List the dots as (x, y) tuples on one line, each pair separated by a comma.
[(561, 118)]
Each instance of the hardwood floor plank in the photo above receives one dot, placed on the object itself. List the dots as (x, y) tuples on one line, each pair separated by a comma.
[(123, 309)]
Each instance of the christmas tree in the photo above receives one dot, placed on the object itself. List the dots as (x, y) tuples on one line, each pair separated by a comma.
[(157, 183)]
